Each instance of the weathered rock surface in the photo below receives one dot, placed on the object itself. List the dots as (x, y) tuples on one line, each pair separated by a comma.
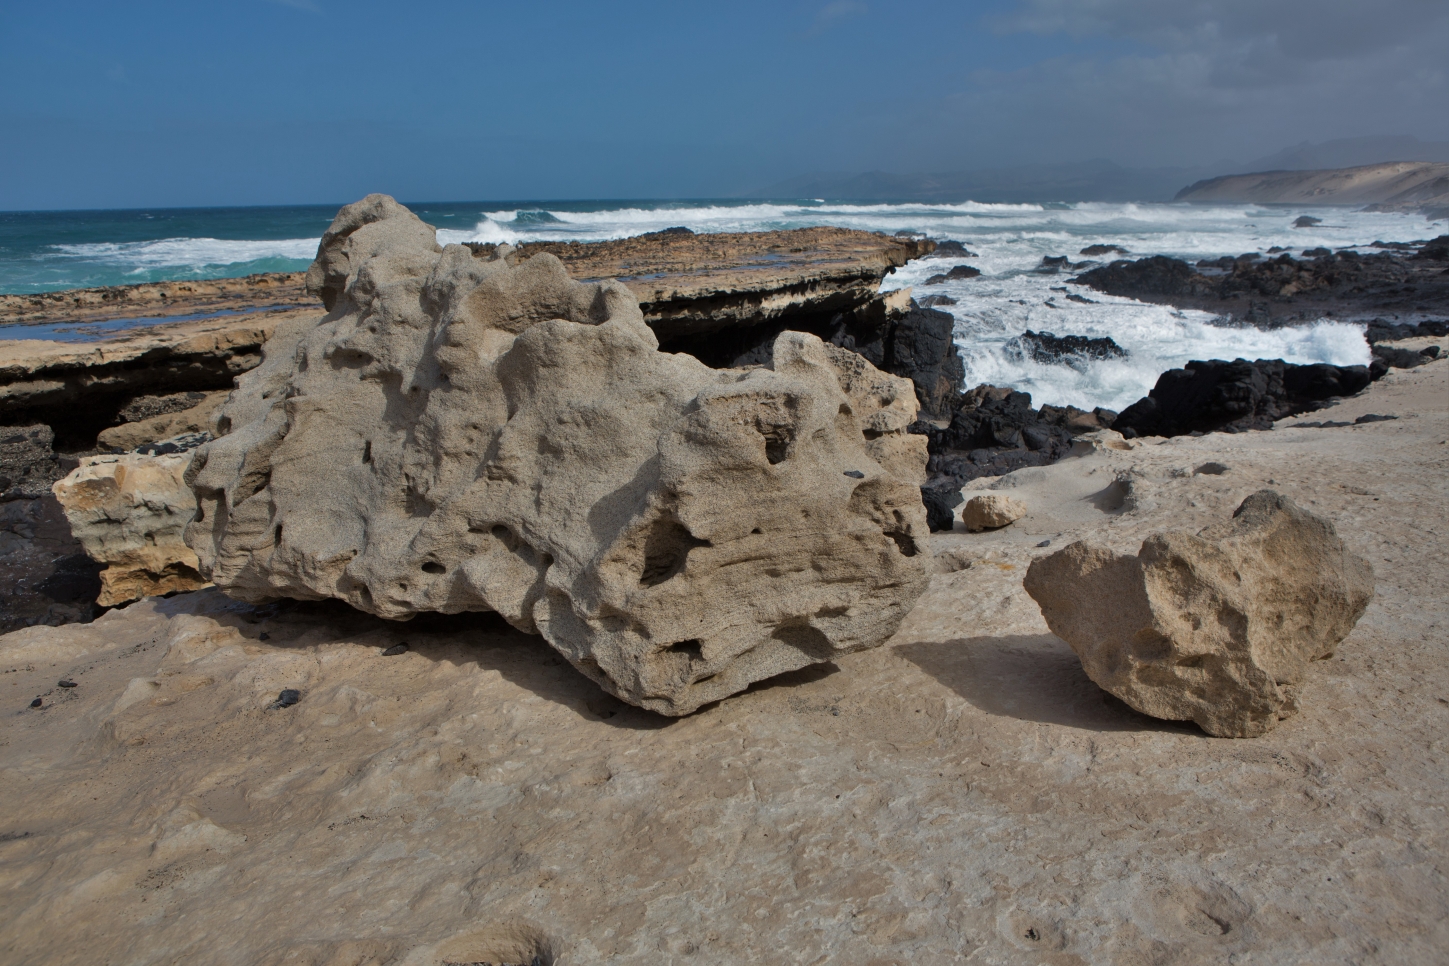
[(991, 511), (1218, 396), (995, 805), (28, 464), (1217, 627), (129, 512), (80, 389), (691, 285), (170, 422), (462, 434), (156, 300), (1284, 290)]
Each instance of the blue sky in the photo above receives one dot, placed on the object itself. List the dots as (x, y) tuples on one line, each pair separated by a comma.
[(104, 104)]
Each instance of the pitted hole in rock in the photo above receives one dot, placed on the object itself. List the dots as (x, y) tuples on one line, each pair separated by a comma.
[(777, 447), (367, 451), (433, 567), (666, 551), (507, 944), (223, 425), (277, 535), (692, 649), (872, 433), (901, 534), (348, 358)]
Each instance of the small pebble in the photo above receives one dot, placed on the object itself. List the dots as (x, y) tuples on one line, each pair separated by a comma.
[(36, 703), (396, 649), (264, 636), (287, 698), (67, 684), (855, 474), (1045, 543)]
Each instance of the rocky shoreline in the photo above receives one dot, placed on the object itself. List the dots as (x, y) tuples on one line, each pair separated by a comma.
[(1408, 282), (534, 641), (721, 298)]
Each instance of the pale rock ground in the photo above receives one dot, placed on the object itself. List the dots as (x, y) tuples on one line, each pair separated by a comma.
[(964, 794)]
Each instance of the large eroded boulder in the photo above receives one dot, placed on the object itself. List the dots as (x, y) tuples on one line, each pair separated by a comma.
[(1216, 627), (460, 434)]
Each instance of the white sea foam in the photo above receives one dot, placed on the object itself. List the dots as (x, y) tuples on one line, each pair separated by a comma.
[(189, 252)]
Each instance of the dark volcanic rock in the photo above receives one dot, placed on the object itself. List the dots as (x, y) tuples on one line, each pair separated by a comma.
[(1095, 250), (1284, 290), (1380, 330), (1235, 396), (959, 272), (948, 248), (916, 344), (992, 432), (1396, 358), (1052, 264), (1306, 221), (28, 464), (1068, 350), (931, 301), (1435, 250)]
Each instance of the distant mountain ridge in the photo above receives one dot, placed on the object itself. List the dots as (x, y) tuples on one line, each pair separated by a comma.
[(1397, 186), (1094, 180)]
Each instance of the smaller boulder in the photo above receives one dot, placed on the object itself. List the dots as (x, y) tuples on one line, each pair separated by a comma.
[(991, 511), (1216, 627), (129, 512)]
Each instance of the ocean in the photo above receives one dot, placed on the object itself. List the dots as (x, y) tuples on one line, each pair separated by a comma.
[(46, 251)]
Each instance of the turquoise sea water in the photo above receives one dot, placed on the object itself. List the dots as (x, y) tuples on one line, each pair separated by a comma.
[(42, 251)]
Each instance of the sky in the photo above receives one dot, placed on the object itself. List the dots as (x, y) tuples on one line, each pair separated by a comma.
[(242, 102)]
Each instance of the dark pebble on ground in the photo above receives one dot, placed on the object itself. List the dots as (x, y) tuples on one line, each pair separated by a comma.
[(396, 649), (287, 698), (855, 474), (1373, 418), (67, 684), (264, 636), (36, 703)]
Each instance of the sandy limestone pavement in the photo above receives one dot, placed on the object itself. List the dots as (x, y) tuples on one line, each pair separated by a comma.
[(964, 794)]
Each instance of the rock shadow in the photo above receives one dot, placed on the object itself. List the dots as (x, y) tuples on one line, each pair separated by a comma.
[(483, 639), (1030, 677)]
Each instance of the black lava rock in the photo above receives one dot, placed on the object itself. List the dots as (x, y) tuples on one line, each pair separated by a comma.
[(1095, 250), (1380, 331), (941, 500), (1068, 350), (1218, 396), (1397, 358), (287, 698), (949, 248), (396, 649)]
